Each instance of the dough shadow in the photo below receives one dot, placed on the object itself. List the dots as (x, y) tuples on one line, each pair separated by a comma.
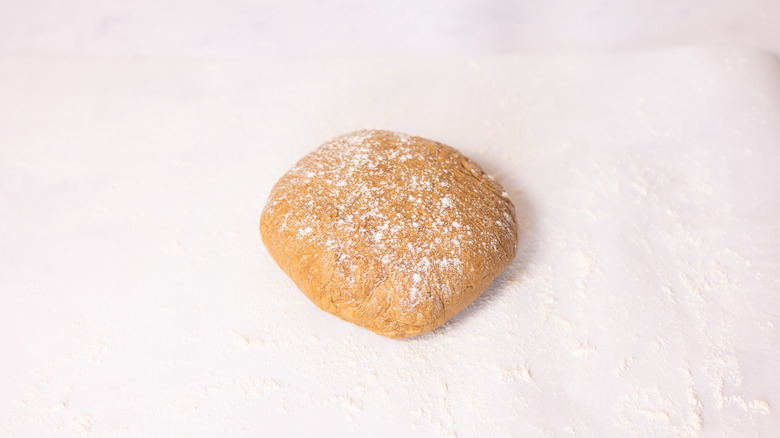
[(526, 249)]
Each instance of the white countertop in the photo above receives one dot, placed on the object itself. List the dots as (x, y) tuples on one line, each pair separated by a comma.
[(138, 143), (317, 28)]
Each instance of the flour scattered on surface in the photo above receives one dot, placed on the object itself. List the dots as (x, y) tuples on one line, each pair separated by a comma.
[(651, 241), (516, 373)]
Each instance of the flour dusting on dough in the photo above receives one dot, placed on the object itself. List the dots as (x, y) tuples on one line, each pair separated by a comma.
[(378, 206)]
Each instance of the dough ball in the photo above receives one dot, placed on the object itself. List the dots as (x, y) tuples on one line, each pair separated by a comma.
[(390, 232)]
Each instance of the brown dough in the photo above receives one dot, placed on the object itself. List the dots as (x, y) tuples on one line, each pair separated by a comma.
[(390, 232)]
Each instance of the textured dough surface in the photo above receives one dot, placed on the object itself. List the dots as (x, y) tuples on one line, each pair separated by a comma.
[(390, 232)]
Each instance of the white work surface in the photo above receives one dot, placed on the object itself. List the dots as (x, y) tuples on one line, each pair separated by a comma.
[(294, 28), (138, 300)]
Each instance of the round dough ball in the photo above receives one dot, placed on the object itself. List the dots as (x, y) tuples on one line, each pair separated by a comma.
[(390, 232)]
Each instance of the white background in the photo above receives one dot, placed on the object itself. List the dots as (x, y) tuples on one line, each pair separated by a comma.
[(347, 28), (139, 140)]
